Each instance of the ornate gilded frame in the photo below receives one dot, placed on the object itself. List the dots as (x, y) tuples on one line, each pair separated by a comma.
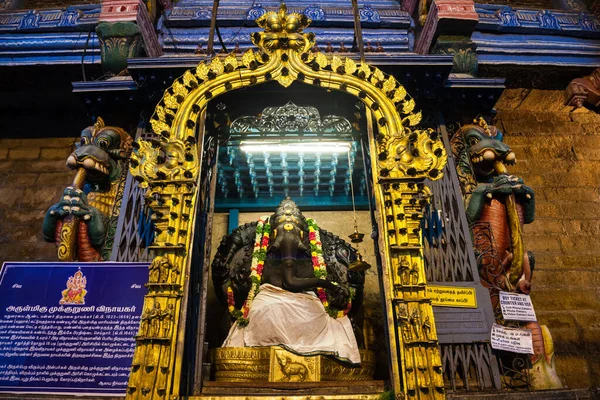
[(402, 157)]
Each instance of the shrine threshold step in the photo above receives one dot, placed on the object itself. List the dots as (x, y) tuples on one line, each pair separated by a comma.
[(229, 389)]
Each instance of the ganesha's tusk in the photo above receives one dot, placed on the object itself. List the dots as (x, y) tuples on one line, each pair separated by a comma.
[(516, 234)]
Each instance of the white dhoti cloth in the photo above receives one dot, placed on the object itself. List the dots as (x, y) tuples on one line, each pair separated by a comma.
[(297, 322)]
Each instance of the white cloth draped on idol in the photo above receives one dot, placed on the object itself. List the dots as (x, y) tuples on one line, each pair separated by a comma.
[(297, 322)]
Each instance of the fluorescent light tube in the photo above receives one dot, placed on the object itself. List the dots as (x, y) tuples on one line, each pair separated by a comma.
[(306, 147)]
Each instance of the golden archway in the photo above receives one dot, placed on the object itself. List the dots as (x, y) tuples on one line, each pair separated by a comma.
[(402, 156)]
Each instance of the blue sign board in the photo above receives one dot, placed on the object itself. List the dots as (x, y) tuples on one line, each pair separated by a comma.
[(69, 327)]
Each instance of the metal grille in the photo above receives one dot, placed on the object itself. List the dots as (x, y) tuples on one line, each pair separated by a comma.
[(468, 367), (134, 230), (467, 357)]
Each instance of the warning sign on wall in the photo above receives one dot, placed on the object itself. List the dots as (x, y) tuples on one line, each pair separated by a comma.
[(517, 307), (452, 296), (512, 339)]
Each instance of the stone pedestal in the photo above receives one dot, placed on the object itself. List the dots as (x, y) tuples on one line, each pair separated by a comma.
[(275, 364)]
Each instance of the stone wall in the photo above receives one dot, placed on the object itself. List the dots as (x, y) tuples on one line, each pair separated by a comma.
[(33, 176), (558, 155)]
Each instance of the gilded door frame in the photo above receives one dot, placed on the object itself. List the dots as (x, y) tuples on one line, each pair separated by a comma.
[(402, 157)]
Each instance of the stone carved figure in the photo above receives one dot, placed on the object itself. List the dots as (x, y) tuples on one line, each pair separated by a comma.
[(497, 205), (288, 274), (82, 220)]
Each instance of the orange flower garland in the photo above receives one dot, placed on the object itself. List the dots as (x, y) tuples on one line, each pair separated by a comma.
[(320, 269), (261, 242)]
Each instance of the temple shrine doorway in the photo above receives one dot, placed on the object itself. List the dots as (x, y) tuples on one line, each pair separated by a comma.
[(179, 171), (310, 145)]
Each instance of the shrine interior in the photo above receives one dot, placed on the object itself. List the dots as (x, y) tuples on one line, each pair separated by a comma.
[(374, 200)]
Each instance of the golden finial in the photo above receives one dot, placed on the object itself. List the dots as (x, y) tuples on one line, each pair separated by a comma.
[(281, 21)]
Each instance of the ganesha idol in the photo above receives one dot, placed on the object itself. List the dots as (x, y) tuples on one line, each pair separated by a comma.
[(288, 283)]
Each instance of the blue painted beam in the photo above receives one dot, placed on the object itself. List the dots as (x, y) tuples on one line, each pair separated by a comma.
[(321, 203), (505, 19), (185, 40), (73, 18), (109, 85), (384, 13), (536, 50), (48, 48), (234, 220)]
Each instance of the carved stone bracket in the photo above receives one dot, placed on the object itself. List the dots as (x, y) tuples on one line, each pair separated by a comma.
[(584, 90), (447, 17), (123, 22), (462, 49)]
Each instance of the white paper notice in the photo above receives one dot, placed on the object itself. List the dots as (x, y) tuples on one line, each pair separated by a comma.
[(517, 307), (512, 339)]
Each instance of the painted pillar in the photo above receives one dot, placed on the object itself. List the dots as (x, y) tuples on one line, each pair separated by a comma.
[(447, 30), (125, 28)]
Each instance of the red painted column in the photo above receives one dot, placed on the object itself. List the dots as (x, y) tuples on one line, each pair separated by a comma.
[(133, 11), (447, 17)]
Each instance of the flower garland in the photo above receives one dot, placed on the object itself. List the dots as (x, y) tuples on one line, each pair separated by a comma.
[(261, 242), (320, 269)]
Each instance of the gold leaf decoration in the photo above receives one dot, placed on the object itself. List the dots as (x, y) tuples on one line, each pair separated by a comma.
[(285, 81), (217, 66), (408, 106), (310, 57), (160, 113), (179, 88), (378, 76), (188, 78), (350, 66), (336, 62), (170, 101), (247, 58), (389, 84), (399, 94), (202, 71), (231, 60), (159, 126), (365, 69), (413, 119), (322, 60)]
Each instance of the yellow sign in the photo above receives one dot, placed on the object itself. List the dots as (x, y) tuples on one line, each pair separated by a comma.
[(452, 296)]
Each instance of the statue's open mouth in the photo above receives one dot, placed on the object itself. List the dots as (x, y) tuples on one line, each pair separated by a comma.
[(90, 163)]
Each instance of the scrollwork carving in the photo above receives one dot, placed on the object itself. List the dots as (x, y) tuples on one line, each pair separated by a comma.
[(166, 160)]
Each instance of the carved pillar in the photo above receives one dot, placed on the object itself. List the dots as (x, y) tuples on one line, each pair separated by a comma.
[(447, 30), (584, 90), (171, 183), (401, 197), (126, 25)]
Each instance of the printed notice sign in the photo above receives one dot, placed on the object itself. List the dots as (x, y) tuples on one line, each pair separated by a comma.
[(452, 296), (68, 328), (512, 339), (517, 307)]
